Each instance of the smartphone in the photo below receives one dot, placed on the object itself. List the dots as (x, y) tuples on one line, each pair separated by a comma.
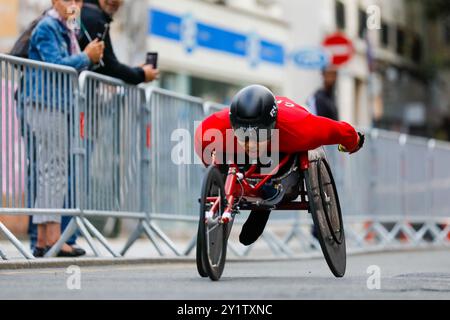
[(152, 58)]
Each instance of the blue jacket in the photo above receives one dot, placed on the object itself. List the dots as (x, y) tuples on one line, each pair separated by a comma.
[(50, 43)]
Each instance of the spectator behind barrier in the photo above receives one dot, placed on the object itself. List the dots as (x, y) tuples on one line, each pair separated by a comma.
[(54, 40), (96, 17), (323, 102)]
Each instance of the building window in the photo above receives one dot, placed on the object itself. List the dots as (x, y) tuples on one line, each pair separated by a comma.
[(400, 41), (362, 23), (210, 90), (385, 30), (340, 15), (417, 49)]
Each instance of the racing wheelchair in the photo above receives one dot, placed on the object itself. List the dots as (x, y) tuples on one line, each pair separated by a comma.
[(302, 181)]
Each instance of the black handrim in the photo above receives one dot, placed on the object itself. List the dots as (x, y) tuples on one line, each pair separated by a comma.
[(201, 267), (332, 212), (212, 238)]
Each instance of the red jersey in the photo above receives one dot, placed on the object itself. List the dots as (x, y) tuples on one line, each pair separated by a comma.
[(299, 130)]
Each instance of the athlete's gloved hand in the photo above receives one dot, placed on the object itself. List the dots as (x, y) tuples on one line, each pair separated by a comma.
[(361, 140)]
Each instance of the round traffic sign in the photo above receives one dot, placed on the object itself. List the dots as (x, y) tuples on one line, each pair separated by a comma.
[(339, 48)]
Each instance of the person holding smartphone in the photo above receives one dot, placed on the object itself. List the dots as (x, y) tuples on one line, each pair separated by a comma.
[(96, 17)]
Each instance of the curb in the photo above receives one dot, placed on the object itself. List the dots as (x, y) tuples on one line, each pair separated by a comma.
[(93, 262), (87, 262)]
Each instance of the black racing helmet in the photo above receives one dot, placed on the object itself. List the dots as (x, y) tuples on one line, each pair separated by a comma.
[(254, 111)]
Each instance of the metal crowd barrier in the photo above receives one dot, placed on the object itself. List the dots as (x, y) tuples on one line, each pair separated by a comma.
[(171, 181), (39, 104), (110, 153), (121, 155), (394, 175), (111, 143), (210, 107)]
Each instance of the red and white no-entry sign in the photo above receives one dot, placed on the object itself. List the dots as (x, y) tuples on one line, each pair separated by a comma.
[(339, 48)]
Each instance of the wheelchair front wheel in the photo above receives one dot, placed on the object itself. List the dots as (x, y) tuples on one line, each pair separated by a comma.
[(212, 237)]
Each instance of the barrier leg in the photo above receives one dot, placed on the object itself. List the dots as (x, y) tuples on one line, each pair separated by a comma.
[(246, 251), (87, 236), (305, 241), (275, 250), (233, 249), (392, 237), (68, 232), (100, 237), (411, 233), (148, 231), (190, 246), (444, 235), (421, 232), (163, 237), (132, 239), (2, 255), (19, 246), (281, 246), (386, 237), (311, 242), (291, 235), (352, 235)]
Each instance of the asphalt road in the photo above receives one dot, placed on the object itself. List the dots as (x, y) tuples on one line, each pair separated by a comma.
[(405, 275)]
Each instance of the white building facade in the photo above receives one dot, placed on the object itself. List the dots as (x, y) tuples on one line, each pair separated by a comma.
[(211, 48)]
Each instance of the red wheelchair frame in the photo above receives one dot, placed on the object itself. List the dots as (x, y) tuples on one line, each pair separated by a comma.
[(235, 189), (316, 190)]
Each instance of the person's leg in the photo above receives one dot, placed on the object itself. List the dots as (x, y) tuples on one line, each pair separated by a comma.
[(51, 163), (254, 226), (32, 233), (38, 226), (64, 223), (30, 142), (69, 202), (314, 232), (53, 233), (41, 235), (41, 241)]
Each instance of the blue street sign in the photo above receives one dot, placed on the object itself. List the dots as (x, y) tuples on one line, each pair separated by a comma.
[(194, 34), (311, 58)]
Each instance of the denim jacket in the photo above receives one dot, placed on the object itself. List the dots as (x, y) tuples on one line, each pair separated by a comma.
[(50, 43)]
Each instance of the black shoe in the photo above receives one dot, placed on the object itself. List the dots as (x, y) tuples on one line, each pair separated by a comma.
[(39, 252), (75, 252), (254, 226)]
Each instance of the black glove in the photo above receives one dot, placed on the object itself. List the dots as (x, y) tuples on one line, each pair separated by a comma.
[(362, 139)]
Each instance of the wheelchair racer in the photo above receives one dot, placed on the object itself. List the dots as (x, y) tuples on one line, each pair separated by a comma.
[(254, 115)]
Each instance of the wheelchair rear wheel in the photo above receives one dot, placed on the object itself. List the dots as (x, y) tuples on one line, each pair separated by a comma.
[(327, 216)]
